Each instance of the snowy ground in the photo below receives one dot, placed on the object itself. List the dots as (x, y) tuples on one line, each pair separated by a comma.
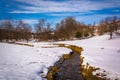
[(18, 62), (101, 52)]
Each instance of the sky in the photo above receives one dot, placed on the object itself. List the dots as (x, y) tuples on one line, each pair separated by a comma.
[(53, 11)]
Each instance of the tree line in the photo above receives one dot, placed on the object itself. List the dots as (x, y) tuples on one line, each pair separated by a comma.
[(109, 25), (14, 30), (66, 29)]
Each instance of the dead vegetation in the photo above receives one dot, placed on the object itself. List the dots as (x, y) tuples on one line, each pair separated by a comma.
[(86, 70)]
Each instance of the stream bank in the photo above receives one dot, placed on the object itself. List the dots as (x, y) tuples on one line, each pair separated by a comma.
[(68, 67)]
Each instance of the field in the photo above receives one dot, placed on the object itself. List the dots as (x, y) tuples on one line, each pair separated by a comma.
[(19, 62)]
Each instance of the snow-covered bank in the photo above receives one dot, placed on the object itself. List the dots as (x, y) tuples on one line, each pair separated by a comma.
[(101, 52), (19, 62)]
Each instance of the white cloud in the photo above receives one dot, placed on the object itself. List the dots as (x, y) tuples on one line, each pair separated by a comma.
[(93, 18), (65, 6), (30, 21), (17, 11)]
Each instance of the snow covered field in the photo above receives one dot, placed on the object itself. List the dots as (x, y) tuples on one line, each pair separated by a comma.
[(19, 62), (101, 52)]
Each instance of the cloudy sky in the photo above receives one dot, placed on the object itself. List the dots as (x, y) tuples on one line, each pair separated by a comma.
[(86, 11)]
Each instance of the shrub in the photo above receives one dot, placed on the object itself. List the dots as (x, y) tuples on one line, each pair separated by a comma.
[(78, 35), (86, 34)]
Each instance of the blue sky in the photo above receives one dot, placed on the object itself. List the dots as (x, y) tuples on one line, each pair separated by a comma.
[(86, 11)]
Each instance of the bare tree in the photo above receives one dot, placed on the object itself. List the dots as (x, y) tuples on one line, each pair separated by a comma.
[(112, 26), (7, 29), (66, 28), (23, 31), (109, 24), (39, 29)]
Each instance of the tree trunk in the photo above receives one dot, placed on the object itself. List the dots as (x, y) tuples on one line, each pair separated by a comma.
[(111, 35)]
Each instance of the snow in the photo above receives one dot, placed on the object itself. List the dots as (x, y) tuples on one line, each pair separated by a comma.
[(101, 52), (18, 62)]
